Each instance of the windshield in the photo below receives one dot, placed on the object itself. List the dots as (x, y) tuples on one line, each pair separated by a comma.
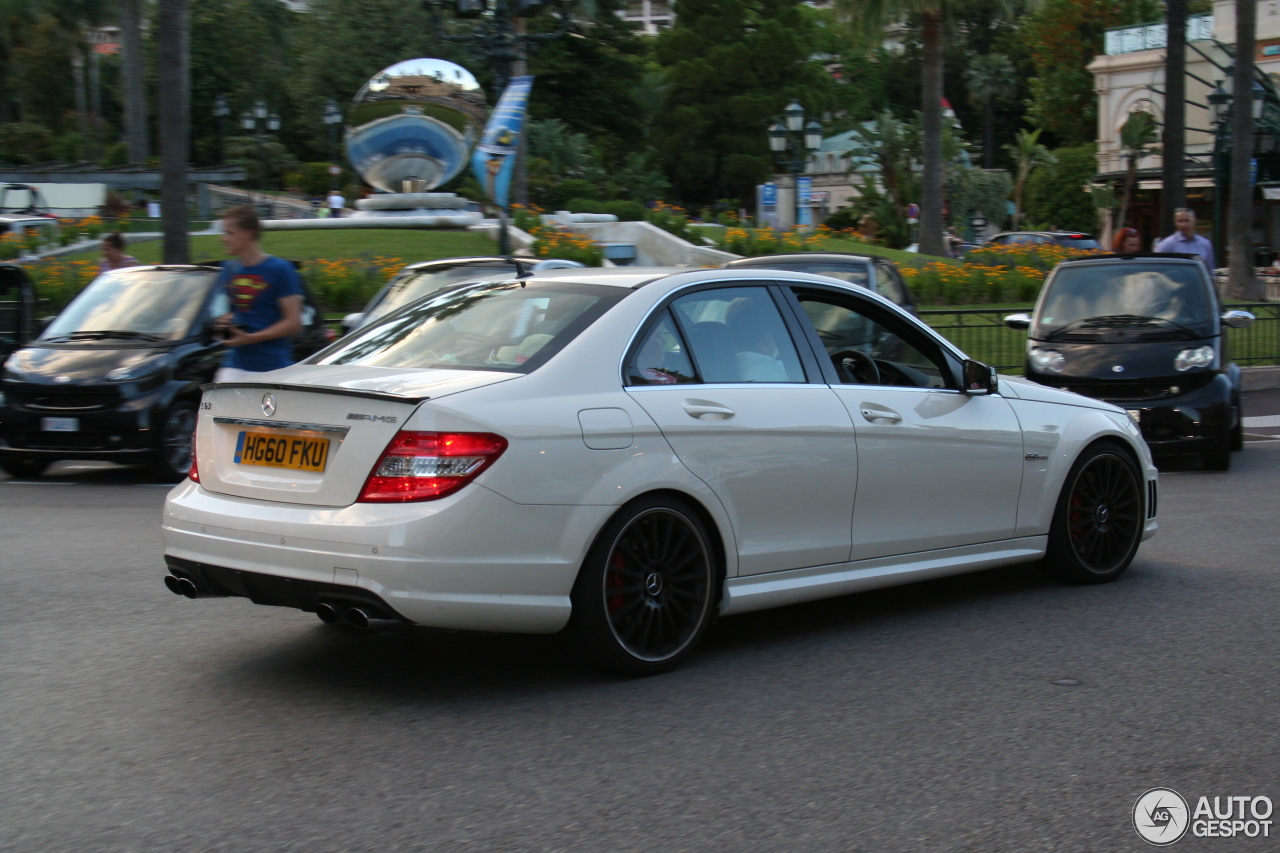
[(511, 326), (157, 305), (415, 284), (1172, 299)]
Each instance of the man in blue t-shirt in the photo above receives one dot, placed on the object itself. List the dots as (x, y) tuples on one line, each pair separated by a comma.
[(266, 300)]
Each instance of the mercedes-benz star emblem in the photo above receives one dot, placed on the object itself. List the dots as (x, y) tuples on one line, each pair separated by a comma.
[(268, 404)]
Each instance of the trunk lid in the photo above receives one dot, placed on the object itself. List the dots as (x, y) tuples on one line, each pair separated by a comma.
[(311, 434)]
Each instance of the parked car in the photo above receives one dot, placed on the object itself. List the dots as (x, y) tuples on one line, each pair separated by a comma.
[(1069, 239), (873, 272), (1144, 332), (116, 376), (17, 308), (417, 280), (623, 454)]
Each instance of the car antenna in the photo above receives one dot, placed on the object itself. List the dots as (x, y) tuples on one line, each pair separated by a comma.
[(522, 272)]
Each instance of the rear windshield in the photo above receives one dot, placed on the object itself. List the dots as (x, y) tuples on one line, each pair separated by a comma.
[(1172, 299), (415, 284), (158, 305), (1078, 241), (509, 326)]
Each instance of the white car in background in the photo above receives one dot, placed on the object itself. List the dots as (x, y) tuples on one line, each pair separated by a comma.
[(623, 455)]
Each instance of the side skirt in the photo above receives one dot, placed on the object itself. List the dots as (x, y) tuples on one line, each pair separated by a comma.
[(777, 589)]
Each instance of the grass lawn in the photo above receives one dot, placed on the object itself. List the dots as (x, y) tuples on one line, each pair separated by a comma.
[(911, 259), (410, 246)]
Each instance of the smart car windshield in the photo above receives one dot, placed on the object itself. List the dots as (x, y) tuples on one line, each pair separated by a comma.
[(510, 326), (415, 284), (134, 304), (1097, 298)]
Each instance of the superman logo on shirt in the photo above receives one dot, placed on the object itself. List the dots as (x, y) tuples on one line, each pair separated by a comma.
[(244, 289)]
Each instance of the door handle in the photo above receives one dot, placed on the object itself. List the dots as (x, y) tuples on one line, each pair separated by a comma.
[(707, 410), (880, 415)]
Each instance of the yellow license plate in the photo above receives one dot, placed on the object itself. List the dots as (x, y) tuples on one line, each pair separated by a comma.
[(298, 452)]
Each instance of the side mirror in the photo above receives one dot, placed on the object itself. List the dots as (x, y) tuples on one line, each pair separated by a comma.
[(1238, 319), (1018, 322), (979, 378)]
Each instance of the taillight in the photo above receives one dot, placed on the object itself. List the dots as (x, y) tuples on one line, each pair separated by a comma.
[(194, 473), (423, 466)]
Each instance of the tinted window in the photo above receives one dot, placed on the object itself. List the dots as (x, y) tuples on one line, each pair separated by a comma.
[(1078, 241), (661, 358), (737, 335), (509, 326), (853, 338), (890, 285), (415, 284), (854, 272), (159, 304), (1127, 296)]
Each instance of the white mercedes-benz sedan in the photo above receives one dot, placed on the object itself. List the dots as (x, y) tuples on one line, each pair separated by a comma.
[(625, 455)]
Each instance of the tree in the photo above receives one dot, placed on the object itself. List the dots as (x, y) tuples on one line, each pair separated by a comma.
[(1244, 279), (133, 80), (1174, 178), (173, 60), (17, 17), (1064, 36), (1028, 155), (732, 65), (990, 79), (1137, 136), (1055, 192)]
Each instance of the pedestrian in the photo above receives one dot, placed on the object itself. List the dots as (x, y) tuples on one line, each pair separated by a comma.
[(1185, 240), (266, 301), (113, 256), (336, 203), (1127, 242)]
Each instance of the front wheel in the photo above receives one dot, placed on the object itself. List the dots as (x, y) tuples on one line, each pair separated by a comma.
[(1098, 522), (173, 452), (1219, 459), (24, 468), (645, 594), (1237, 431)]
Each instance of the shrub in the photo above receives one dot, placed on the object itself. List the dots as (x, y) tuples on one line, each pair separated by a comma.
[(673, 220), (753, 242), (574, 188)]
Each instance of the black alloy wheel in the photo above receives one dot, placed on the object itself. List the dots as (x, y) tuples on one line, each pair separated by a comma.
[(1098, 524), (645, 594), (176, 442), (24, 469), (1237, 431)]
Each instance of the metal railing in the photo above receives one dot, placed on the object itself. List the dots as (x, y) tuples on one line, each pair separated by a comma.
[(982, 335), (1153, 35)]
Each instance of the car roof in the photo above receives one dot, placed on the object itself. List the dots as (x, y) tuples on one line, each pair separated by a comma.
[(824, 257)]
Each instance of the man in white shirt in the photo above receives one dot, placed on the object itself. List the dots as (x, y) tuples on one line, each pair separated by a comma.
[(1186, 240), (336, 203)]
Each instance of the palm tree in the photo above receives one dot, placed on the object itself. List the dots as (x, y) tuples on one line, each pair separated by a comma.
[(133, 80), (1137, 136), (990, 78), (1028, 155), (173, 96)]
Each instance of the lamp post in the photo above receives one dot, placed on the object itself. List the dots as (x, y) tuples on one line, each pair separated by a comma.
[(221, 111), (333, 118), (792, 141), (260, 119)]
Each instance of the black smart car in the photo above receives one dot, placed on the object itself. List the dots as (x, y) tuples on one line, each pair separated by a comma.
[(116, 376), (1144, 332), (870, 271)]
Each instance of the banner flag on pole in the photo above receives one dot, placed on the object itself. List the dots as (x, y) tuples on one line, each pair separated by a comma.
[(494, 159)]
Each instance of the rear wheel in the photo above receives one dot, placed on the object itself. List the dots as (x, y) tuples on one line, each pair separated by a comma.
[(24, 468), (173, 453), (645, 593), (1097, 525)]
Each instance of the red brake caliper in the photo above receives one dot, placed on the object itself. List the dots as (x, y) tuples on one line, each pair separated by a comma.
[(614, 580)]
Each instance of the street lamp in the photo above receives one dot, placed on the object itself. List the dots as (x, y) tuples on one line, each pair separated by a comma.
[(259, 120), (333, 118), (792, 141)]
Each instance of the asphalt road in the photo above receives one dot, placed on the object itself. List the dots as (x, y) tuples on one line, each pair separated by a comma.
[(992, 712)]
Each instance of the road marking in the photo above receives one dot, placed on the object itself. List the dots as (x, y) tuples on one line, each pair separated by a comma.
[(1262, 421)]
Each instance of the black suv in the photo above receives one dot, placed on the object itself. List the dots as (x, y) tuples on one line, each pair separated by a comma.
[(1144, 332)]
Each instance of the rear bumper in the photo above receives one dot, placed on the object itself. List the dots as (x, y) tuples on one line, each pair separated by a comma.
[(474, 560)]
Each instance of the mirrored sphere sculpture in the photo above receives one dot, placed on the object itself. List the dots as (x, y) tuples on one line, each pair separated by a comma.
[(415, 121)]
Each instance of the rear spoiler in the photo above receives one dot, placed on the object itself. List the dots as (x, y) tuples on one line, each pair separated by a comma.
[(312, 389)]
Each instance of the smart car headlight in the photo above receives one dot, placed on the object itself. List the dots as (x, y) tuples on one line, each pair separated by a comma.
[(13, 366), (1048, 360), (138, 368), (1189, 358)]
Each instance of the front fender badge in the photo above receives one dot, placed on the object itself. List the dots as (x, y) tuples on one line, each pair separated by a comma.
[(1119, 368)]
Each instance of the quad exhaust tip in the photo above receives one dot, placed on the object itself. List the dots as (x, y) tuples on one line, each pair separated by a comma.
[(181, 586), (328, 615)]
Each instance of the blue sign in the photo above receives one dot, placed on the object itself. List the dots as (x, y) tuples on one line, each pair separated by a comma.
[(769, 194), (804, 196), (494, 159)]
